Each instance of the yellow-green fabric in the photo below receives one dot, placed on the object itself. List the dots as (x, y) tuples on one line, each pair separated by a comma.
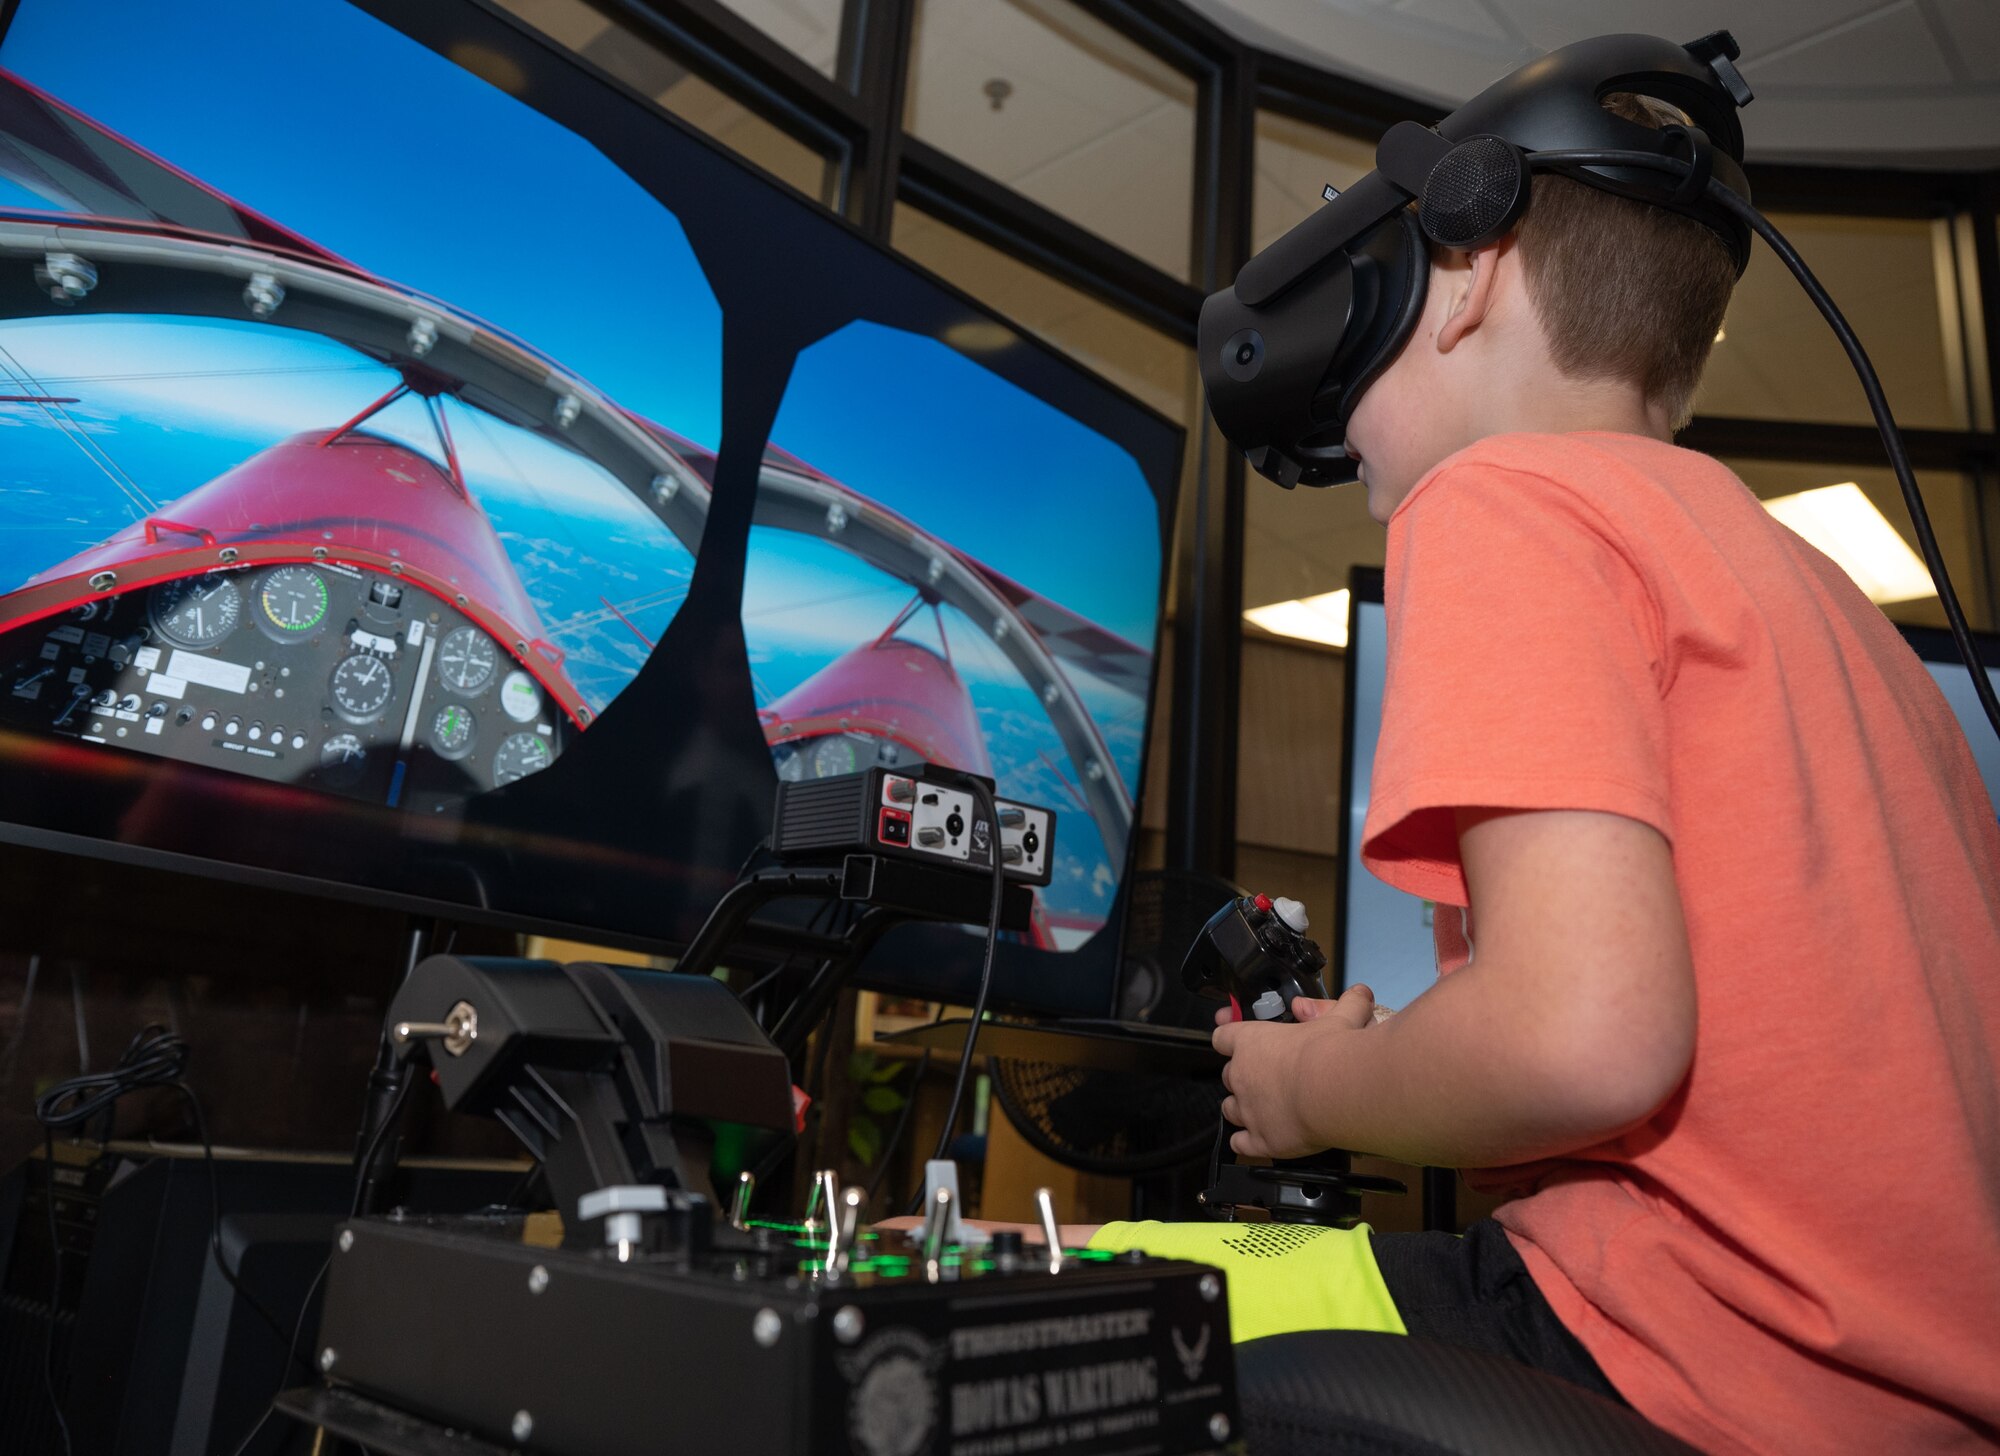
[(1282, 1277)]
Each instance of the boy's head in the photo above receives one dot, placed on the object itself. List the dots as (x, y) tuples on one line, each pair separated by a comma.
[(1596, 312)]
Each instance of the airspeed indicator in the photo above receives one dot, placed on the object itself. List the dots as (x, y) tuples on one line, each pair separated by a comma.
[(292, 602)]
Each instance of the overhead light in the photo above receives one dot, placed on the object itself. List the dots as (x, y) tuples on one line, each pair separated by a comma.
[(1321, 618), (980, 336), (1842, 522)]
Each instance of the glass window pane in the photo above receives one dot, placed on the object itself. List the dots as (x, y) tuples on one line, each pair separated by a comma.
[(1777, 359), (1148, 364), (1134, 356), (1949, 498), (1301, 543), (1297, 545), (652, 72), (809, 29), (1295, 162), (1066, 111)]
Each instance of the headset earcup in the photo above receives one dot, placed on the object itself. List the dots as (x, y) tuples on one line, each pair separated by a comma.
[(1475, 193)]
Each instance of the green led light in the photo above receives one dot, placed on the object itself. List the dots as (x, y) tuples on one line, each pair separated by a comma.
[(1095, 1256), (982, 1266), (783, 1228)]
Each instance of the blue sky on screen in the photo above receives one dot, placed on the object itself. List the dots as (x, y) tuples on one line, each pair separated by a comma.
[(173, 403), (1011, 481), (1004, 476), (389, 155)]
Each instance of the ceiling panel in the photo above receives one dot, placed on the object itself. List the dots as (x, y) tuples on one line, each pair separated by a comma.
[(1868, 82), (1892, 47), (1970, 30), (1040, 96)]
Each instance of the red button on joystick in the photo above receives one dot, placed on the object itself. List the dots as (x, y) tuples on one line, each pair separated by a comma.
[(1262, 902)]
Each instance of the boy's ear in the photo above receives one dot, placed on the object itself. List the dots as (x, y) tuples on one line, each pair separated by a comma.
[(1470, 277)]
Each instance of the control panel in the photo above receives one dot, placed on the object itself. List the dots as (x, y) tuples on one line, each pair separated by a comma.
[(921, 812), (320, 674), (818, 1339)]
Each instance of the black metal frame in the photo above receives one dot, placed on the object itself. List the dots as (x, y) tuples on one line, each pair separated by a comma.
[(855, 119)]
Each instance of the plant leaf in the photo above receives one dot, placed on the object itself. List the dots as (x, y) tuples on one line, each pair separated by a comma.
[(864, 1140)]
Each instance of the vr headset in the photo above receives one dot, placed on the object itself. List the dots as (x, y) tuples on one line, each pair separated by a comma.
[(1313, 319)]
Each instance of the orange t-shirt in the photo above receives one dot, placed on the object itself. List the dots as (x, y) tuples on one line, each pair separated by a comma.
[(1800, 1251)]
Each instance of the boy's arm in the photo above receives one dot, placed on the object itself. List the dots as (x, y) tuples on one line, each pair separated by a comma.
[(1573, 1022)]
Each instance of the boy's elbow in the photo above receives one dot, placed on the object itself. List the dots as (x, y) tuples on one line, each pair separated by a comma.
[(1619, 1069)]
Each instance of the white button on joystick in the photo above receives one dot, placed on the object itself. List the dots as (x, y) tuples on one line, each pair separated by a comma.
[(1292, 913)]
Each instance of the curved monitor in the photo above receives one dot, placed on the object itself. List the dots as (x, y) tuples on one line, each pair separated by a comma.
[(479, 503)]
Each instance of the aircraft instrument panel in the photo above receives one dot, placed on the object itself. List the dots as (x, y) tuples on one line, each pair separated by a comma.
[(318, 674)]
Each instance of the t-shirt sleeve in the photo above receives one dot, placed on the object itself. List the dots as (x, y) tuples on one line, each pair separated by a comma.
[(1524, 671)]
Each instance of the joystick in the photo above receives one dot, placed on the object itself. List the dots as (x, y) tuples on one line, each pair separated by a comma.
[(1255, 952)]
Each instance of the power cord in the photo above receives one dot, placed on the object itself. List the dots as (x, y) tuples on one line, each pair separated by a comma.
[(1871, 385), (155, 1057), (888, 1155), (305, 1305), (983, 800)]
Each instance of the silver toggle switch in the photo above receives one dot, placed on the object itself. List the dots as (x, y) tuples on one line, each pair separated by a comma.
[(846, 1230), (1045, 1207), (937, 1223), (458, 1031)]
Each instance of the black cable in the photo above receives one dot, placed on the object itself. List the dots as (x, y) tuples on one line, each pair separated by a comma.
[(895, 1141), (983, 802), (353, 1210), (155, 1057), (291, 1354), (1871, 385), (791, 958), (215, 1214), (756, 849), (55, 1297)]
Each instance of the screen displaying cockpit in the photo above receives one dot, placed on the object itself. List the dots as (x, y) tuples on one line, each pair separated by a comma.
[(377, 507)]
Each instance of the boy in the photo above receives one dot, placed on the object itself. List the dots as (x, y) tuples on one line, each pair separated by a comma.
[(1723, 1012)]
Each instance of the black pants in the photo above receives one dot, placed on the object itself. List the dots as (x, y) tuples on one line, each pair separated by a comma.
[(1475, 1292)]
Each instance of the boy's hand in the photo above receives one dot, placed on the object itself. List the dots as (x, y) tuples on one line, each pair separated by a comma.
[(1266, 1072)]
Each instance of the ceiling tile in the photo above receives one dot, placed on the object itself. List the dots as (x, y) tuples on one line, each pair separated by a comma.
[(1838, 81), (1892, 47), (1463, 17), (1766, 26), (1972, 28)]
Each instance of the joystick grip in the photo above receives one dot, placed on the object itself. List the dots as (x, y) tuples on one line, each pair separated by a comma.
[(1253, 952)]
